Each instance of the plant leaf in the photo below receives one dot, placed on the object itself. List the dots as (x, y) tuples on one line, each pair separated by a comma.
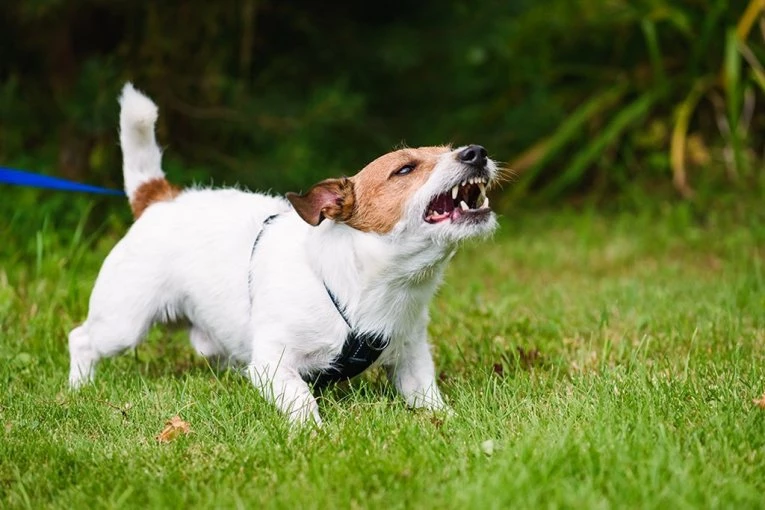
[(569, 129), (654, 51), (680, 132), (620, 122), (751, 13)]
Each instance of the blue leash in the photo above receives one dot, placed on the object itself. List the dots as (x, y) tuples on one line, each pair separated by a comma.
[(21, 178)]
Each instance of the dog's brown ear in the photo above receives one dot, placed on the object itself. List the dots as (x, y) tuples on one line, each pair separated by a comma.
[(333, 199)]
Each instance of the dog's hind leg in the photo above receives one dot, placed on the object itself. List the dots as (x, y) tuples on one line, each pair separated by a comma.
[(202, 343), (82, 357), (118, 319), (207, 347), (101, 338), (128, 296)]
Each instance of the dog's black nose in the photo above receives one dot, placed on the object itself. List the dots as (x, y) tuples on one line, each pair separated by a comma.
[(473, 155)]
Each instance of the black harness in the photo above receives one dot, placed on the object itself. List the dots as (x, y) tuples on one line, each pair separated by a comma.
[(360, 350)]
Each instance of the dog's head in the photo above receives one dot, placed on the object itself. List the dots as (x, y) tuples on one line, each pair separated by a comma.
[(438, 192)]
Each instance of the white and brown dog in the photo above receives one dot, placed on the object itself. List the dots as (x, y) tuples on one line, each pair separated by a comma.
[(304, 289)]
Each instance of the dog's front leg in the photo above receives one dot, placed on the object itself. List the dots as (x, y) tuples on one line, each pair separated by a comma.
[(414, 374), (283, 386)]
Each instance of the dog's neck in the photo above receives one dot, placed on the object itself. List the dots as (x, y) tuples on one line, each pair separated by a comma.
[(384, 282)]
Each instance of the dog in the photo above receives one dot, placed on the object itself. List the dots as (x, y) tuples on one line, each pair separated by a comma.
[(304, 290)]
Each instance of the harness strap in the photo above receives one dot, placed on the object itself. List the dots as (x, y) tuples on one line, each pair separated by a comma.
[(360, 350), (336, 302), (252, 251)]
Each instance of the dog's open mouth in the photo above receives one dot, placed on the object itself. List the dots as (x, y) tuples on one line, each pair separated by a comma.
[(464, 200)]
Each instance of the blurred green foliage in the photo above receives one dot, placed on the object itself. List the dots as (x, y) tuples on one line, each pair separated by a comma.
[(590, 96)]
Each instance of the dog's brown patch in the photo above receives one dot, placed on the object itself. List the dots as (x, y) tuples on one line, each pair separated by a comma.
[(381, 194), (372, 200), (155, 190)]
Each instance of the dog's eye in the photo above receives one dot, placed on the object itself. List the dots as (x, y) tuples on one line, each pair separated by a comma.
[(406, 169)]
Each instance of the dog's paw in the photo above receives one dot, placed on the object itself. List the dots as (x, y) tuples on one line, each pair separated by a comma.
[(430, 400), (442, 411), (77, 380), (305, 418)]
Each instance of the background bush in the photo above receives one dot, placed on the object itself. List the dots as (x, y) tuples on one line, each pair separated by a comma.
[(590, 96)]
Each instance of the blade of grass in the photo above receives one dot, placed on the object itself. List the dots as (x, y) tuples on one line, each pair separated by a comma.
[(758, 76), (732, 77), (733, 96), (654, 52), (79, 230), (709, 29), (757, 71)]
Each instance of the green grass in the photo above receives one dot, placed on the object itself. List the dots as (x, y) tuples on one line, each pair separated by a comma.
[(611, 359)]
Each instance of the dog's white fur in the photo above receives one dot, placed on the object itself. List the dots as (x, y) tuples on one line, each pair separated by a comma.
[(268, 308)]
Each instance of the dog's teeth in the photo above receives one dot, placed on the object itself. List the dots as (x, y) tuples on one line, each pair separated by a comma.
[(482, 187), (464, 206), (455, 190), (485, 203)]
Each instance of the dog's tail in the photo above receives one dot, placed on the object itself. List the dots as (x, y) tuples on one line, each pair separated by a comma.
[(145, 181)]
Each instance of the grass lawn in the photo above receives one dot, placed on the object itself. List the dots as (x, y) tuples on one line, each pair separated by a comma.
[(593, 360)]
